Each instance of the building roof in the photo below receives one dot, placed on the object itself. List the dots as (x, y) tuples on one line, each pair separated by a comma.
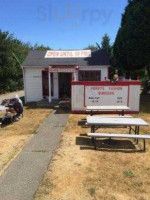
[(37, 58)]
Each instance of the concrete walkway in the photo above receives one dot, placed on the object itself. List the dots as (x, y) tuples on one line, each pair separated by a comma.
[(21, 179)]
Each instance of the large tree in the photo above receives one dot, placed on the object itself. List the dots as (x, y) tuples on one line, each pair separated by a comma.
[(10, 70), (132, 44), (12, 53)]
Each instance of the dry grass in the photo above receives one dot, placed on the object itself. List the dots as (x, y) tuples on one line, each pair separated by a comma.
[(14, 137), (114, 172)]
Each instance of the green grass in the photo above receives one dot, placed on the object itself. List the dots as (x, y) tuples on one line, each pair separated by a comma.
[(91, 191), (128, 174)]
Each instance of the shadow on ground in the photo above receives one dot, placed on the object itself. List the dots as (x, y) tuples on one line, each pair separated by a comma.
[(124, 146), (145, 103), (56, 106)]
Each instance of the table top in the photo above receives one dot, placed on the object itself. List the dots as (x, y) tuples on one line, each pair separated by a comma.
[(3, 108), (114, 116), (96, 120), (107, 108)]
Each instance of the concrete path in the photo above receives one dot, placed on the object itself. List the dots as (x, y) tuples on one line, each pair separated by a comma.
[(21, 179), (11, 95)]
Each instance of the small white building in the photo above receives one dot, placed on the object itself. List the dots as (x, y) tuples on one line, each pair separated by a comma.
[(80, 75), (48, 74)]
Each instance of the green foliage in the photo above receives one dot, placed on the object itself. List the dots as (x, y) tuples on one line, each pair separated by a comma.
[(41, 47), (91, 47), (132, 44), (105, 44), (12, 53), (91, 191), (128, 174), (10, 70)]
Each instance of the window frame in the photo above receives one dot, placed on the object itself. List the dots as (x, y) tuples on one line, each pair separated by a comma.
[(89, 72)]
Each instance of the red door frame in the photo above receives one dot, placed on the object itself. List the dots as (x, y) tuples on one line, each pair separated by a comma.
[(52, 83), (43, 84)]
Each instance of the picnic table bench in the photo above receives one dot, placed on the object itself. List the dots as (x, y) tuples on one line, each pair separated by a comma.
[(111, 135), (96, 122), (120, 109)]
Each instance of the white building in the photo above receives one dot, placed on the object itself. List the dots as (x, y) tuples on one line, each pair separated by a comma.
[(82, 76), (48, 74)]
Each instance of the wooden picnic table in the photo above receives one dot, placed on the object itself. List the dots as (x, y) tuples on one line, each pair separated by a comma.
[(120, 109)]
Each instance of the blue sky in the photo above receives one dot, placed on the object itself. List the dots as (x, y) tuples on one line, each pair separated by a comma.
[(65, 24)]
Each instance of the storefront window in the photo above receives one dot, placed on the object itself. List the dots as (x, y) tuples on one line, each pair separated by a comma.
[(89, 75)]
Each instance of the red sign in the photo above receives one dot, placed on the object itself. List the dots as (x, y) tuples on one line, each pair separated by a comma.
[(62, 70)]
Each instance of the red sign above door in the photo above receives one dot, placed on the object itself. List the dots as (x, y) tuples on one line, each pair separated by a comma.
[(62, 70)]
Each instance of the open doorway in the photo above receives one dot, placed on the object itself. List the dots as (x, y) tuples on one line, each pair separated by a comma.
[(65, 85)]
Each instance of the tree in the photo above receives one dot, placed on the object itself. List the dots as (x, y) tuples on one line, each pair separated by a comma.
[(132, 44), (11, 77), (12, 53), (91, 47), (41, 47), (105, 44)]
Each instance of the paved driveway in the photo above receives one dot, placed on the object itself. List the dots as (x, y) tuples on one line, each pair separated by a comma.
[(11, 95)]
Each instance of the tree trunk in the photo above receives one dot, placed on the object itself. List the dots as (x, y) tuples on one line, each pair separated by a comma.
[(148, 70)]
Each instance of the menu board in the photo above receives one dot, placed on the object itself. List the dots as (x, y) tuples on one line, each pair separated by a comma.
[(106, 95)]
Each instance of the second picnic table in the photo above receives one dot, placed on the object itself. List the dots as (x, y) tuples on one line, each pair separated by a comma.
[(97, 121), (120, 109)]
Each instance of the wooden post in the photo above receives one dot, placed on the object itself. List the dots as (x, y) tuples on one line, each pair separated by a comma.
[(144, 145)]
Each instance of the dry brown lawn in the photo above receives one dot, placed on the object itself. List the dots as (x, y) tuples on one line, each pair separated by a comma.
[(13, 137), (116, 171)]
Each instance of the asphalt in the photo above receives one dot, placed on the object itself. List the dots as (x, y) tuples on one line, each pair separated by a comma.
[(22, 178), (11, 95)]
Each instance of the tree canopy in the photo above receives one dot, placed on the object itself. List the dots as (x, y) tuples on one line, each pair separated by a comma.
[(132, 44), (105, 44), (91, 47), (41, 47), (12, 53)]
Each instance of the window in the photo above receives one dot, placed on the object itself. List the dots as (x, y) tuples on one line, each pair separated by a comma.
[(89, 75)]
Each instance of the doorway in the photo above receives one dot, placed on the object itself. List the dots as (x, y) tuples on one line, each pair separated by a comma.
[(65, 85)]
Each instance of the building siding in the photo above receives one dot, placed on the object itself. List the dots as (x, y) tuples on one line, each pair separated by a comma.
[(33, 81), (33, 84), (134, 94)]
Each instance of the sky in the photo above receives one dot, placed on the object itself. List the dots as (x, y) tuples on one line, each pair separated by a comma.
[(62, 24)]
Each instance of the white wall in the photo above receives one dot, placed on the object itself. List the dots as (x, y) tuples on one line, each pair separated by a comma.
[(77, 100), (134, 94), (33, 81), (33, 84), (78, 93)]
